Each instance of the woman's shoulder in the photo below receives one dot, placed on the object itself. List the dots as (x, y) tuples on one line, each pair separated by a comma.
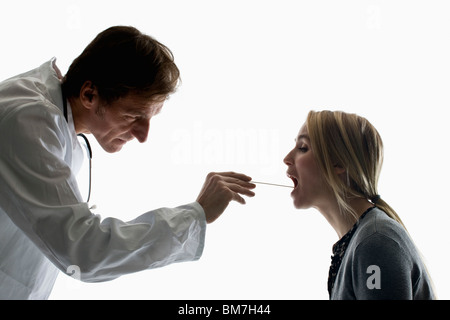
[(378, 222), (381, 250), (379, 232)]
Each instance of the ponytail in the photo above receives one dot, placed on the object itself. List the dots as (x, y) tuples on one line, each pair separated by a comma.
[(382, 205)]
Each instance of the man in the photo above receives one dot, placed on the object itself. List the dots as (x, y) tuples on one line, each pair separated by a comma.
[(112, 91)]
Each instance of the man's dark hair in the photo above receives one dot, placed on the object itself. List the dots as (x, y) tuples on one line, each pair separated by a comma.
[(120, 61)]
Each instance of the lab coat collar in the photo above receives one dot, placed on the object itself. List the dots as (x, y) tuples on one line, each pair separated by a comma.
[(52, 77)]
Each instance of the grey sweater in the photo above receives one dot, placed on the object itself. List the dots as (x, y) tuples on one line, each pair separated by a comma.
[(381, 262)]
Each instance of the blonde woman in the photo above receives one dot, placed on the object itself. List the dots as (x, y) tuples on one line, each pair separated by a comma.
[(335, 166)]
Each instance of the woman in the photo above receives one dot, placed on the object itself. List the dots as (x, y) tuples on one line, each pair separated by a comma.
[(335, 167)]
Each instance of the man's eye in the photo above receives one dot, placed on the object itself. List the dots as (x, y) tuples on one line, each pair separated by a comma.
[(130, 118)]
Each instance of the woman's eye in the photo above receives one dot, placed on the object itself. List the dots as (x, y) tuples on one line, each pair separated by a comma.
[(303, 149)]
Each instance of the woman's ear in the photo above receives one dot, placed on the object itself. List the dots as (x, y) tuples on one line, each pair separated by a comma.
[(342, 173), (339, 170), (89, 95)]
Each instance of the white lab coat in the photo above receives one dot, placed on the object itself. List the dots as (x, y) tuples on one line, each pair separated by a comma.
[(44, 224)]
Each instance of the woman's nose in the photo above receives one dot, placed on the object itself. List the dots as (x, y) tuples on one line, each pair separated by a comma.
[(288, 159), (140, 130)]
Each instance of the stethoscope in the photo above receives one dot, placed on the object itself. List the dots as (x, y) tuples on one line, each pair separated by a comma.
[(87, 145)]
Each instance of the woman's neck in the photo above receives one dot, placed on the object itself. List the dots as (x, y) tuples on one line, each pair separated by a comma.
[(343, 223)]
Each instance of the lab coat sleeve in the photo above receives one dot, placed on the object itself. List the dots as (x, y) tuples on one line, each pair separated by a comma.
[(40, 194)]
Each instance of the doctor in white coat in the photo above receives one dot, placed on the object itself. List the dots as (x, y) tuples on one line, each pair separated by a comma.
[(111, 91)]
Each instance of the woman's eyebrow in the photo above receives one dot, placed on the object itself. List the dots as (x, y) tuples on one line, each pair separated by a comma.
[(302, 136)]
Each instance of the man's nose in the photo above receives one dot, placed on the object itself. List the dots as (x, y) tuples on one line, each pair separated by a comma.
[(140, 130)]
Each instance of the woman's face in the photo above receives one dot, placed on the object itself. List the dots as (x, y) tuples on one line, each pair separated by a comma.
[(310, 189)]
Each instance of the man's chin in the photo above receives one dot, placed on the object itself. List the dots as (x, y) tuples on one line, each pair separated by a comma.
[(114, 146)]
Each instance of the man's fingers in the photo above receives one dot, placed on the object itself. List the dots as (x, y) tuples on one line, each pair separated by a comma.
[(238, 198), (237, 185), (220, 188), (243, 183), (231, 174), (241, 189)]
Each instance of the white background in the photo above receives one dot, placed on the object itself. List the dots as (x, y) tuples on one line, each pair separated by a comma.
[(251, 71)]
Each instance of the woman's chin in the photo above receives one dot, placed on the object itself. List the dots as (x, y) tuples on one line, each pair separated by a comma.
[(299, 203)]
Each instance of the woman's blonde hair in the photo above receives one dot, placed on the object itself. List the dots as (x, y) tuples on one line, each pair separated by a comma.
[(351, 142)]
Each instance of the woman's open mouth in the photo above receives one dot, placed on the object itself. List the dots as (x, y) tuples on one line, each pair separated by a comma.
[(294, 179)]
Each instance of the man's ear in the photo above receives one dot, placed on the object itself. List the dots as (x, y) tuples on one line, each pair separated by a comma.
[(89, 95)]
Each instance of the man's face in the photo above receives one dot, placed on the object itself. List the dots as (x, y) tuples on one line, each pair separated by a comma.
[(127, 118)]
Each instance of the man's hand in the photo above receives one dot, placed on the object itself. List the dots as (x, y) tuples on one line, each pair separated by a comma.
[(221, 188)]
